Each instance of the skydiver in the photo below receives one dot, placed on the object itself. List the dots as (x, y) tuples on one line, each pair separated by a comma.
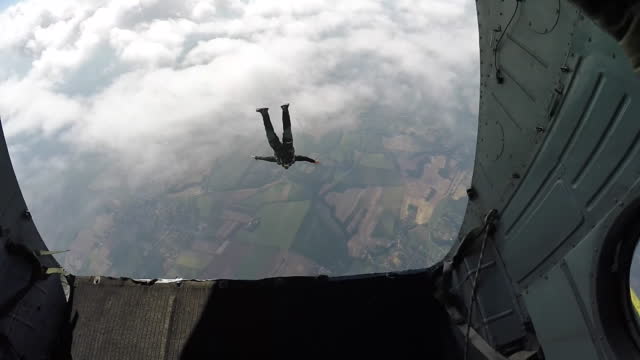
[(284, 152)]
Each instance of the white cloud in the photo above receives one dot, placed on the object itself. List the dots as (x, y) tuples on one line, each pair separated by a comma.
[(30, 101), (203, 10), (136, 79)]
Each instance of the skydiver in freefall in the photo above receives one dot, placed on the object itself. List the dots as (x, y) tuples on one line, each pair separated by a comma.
[(284, 152)]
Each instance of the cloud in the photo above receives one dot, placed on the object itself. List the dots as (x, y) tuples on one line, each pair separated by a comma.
[(159, 89)]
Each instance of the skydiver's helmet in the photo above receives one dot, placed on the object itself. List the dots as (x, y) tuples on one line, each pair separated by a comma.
[(288, 158), (284, 164)]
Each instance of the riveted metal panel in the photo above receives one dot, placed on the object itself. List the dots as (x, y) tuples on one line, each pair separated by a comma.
[(557, 318), (32, 307), (552, 152), (558, 149), (580, 263), (600, 118), (545, 30), (615, 146), (551, 223), (528, 71), (6, 180)]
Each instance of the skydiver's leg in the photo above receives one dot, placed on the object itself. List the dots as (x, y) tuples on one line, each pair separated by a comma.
[(287, 135), (274, 142)]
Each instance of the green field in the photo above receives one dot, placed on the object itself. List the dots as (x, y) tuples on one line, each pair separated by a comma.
[(256, 262), (258, 174), (377, 161), (205, 206), (372, 143), (275, 193), (192, 260), (340, 174), (420, 244), (246, 236), (419, 235), (227, 173), (350, 141), (385, 228), (367, 176), (280, 223), (322, 239), (392, 198)]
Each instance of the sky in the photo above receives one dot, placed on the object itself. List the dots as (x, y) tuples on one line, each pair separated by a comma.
[(6, 3), (154, 90)]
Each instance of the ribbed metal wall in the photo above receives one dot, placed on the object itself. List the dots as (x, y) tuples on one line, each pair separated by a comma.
[(558, 157)]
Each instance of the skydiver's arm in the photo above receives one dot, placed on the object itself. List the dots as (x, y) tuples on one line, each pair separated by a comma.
[(266, 158), (308, 159)]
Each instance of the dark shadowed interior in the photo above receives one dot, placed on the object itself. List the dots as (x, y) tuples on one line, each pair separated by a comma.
[(302, 317)]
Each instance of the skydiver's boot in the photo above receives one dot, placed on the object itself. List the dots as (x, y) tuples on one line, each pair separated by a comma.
[(287, 136), (274, 142), (265, 117)]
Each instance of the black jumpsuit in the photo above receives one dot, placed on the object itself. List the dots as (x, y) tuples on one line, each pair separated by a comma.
[(284, 152)]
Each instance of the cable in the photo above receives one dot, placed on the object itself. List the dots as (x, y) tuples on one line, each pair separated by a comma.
[(473, 293), (495, 49), (554, 24), (468, 276)]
